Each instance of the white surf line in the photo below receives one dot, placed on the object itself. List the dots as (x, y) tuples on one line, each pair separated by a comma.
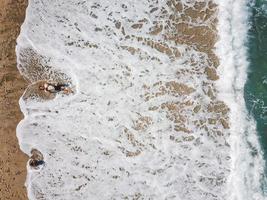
[(246, 170)]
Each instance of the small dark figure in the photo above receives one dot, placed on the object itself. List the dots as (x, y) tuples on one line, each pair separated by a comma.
[(36, 163), (60, 87), (37, 159), (55, 88)]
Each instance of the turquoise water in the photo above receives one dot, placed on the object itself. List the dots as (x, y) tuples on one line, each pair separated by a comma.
[(256, 86)]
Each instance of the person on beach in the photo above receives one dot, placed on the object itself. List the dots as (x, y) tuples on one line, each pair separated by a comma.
[(55, 88), (36, 163), (36, 159)]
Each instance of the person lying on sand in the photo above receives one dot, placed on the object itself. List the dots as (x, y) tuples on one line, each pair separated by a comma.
[(36, 163), (36, 159), (55, 88)]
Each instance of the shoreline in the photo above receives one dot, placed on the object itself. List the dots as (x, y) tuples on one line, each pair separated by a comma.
[(219, 110), (12, 85), (216, 112)]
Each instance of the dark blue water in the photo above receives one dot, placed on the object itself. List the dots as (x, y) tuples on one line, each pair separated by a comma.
[(256, 86)]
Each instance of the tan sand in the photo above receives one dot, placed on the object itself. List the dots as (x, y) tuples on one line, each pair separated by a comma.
[(12, 85)]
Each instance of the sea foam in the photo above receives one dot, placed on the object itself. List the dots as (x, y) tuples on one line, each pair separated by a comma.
[(247, 171), (144, 121)]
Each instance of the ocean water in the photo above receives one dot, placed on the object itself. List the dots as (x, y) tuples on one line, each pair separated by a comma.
[(255, 88), (157, 112)]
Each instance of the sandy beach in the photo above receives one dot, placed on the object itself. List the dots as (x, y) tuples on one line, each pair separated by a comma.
[(12, 85)]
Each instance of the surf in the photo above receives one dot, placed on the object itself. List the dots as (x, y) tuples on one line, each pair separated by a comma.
[(154, 114)]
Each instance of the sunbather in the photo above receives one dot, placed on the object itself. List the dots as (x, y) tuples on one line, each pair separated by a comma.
[(55, 88)]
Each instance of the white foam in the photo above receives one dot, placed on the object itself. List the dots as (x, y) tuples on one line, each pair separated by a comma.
[(247, 158), (85, 137)]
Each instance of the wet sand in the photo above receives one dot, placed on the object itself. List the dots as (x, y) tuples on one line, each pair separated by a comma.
[(12, 85)]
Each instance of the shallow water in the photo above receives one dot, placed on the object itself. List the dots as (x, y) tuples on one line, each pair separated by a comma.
[(148, 118)]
